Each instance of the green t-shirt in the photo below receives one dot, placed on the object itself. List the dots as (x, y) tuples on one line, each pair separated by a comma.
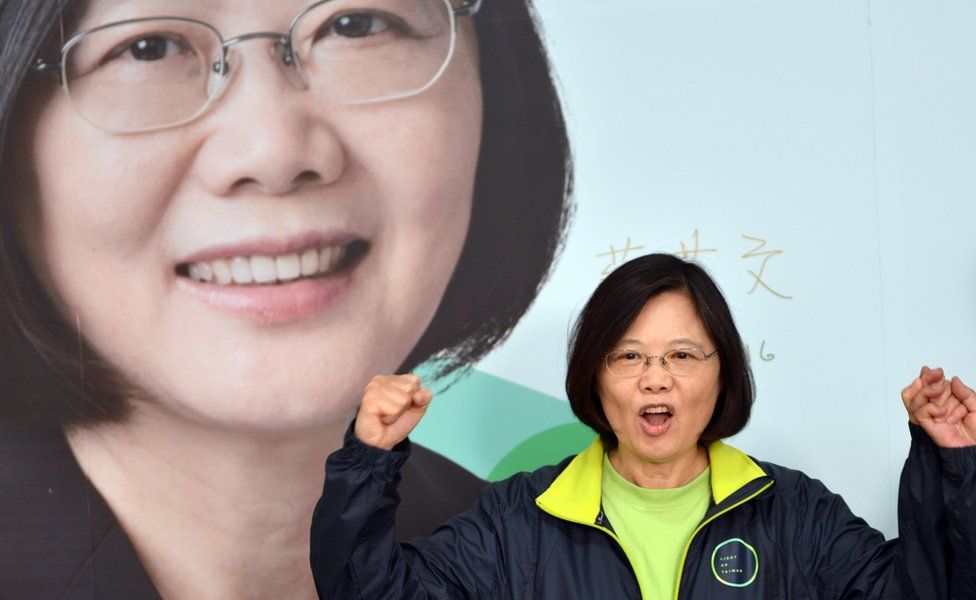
[(654, 525)]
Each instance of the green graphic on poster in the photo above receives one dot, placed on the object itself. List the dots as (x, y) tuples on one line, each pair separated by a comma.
[(495, 427)]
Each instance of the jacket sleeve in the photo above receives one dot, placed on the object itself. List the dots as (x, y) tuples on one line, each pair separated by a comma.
[(354, 553), (849, 559), (959, 491)]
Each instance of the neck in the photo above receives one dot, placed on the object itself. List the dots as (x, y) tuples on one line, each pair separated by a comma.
[(212, 512), (672, 473)]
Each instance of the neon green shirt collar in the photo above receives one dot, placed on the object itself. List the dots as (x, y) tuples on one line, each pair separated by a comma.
[(575, 494)]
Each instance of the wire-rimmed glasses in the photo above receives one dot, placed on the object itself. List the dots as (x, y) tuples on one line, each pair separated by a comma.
[(682, 362), (152, 73)]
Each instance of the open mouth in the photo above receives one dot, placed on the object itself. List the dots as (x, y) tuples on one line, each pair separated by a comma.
[(256, 270), (657, 417)]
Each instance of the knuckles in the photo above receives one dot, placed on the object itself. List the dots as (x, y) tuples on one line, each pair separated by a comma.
[(389, 395)]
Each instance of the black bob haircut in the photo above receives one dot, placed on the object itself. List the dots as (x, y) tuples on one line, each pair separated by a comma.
[(522, 207), (614, 306)]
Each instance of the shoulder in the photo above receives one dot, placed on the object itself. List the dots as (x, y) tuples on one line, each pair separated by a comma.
[(533, 483), (42, 489), (61, 535), (517, 494), (783, 474), (795, 486), (819, 522)]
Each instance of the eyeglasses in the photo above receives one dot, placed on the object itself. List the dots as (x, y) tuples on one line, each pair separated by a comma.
[(682, 362), (152, 73)]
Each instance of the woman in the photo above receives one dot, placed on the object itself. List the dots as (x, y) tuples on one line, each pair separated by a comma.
[(213, 237), (658, 506)]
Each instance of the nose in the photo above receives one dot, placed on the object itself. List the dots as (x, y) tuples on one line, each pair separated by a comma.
[(656, 379), (268, 135)]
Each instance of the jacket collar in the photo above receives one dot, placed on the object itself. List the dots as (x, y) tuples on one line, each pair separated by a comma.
[(575, 494)]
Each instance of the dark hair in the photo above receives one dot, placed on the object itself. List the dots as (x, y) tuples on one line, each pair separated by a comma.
[(521, 209), (614, 306), (522, 194)]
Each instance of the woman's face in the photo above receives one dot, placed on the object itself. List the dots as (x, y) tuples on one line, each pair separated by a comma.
[(659, 417), (382, 192)]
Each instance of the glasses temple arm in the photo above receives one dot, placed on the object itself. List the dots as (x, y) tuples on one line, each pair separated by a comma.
[(48, 68)]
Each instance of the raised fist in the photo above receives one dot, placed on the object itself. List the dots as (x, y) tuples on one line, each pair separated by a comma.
[(391, 408), (946, 410)]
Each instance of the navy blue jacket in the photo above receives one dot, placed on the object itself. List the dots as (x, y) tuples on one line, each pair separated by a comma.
[(770, 532)]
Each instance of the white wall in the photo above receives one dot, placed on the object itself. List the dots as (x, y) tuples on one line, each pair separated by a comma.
[(839, 131)]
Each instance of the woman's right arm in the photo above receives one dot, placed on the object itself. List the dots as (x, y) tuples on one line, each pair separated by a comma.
[(354, 553)]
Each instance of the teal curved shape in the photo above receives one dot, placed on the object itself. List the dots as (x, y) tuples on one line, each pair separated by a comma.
[(545, 448), (479, 419)]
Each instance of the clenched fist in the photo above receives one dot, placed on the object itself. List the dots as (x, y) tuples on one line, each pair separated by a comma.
[(392, 406), (945, 409)]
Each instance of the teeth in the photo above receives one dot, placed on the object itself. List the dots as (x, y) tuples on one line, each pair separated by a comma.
[(268, 269), (263, 269), (329, 258), (240, 268), (325, 258), (206, 272), (310, 262), (655, 410), (289, 267), (222, 272)]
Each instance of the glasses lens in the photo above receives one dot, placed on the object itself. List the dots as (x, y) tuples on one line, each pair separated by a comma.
[(142, 75), (353, 51), (684, 361), (625, 363)]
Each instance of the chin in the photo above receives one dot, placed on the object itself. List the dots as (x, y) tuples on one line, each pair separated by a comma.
[(268, 411), (658, 453)]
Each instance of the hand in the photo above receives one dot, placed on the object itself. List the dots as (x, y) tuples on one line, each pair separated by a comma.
[(912, 397), (392, 406), (945, 410)]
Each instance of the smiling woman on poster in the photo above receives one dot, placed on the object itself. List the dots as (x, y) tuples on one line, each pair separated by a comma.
[(658, 506), (219, 220)]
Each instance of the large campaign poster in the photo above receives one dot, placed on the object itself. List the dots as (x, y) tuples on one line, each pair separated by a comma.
[(211, 243)]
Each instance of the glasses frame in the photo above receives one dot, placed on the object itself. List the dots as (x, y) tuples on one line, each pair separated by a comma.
[(647, 361), (467, 8)]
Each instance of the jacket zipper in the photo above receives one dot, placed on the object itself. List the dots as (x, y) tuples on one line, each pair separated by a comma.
[(630, 561), (684, 555)]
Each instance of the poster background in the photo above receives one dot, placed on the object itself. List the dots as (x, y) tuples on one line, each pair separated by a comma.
[(841, 133)]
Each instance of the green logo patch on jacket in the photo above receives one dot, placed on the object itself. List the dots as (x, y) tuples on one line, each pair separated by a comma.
[(735, 563)]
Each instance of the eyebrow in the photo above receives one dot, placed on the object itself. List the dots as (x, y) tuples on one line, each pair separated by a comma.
[(101, 4), (673, 342), (101, 12), (161, 7)]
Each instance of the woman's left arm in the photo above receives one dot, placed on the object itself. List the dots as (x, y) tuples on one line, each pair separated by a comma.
[(946, 411), (933, 557)]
